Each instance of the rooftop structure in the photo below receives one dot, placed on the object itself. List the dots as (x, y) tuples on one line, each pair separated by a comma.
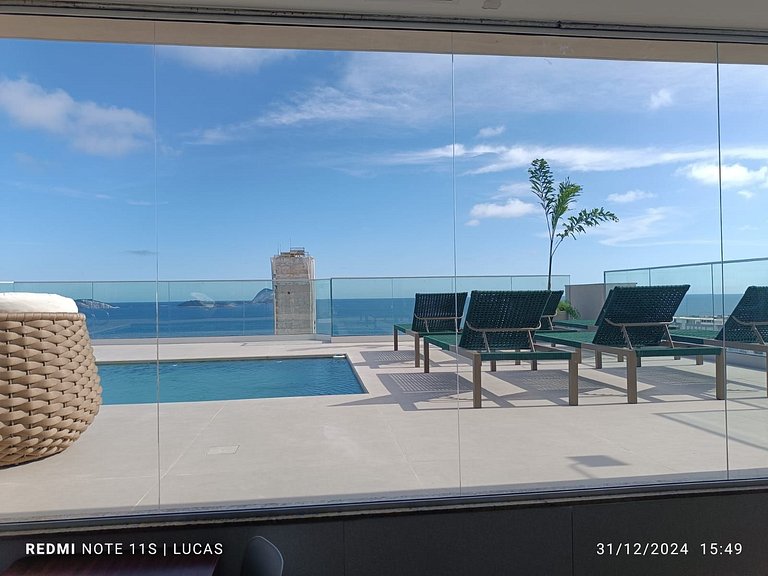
[(293, 273)]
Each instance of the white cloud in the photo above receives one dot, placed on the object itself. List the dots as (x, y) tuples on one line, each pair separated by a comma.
[(90, 127), (513, 189), (660, 99), (541, 85), (733, 175), (746, 194), (222, 134), (441, 153), (415, 90), (576, 158), (658, 226), (512, 208), (490, 131), (327, 103), (397, 88), (473, 222), (632, 230), (224, 60), (630, 196)]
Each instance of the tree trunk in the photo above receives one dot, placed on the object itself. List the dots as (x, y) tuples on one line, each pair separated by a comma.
[(549, 270)]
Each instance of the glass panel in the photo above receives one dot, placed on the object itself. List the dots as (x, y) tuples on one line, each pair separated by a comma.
[(323, 307), (303, 168), (698, 308), (77, 166), (743, 94), (633, 136), (640, 277), (123, 310)]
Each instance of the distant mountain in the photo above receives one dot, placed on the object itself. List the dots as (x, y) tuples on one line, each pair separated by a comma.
[(199, 303), (265, 296), (93, 304)]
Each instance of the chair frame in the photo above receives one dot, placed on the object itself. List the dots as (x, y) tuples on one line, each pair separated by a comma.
[(451, 343), (634, 353), (459, 298), (720, 339)]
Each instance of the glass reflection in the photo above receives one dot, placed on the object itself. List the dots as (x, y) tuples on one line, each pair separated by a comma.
[(77, 165), (639, 138), (329, 174)]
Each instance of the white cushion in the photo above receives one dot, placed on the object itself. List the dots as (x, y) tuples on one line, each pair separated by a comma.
[(13, 302)]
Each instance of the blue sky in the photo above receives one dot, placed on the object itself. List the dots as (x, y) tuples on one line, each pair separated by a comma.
[(118, 161)]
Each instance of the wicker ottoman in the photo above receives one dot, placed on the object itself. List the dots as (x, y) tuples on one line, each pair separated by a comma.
[(49, 384)]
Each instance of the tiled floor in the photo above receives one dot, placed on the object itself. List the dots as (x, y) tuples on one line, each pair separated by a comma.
[(412, 434)]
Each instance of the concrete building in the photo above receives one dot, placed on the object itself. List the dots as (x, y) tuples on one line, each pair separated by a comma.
[(293, 275)]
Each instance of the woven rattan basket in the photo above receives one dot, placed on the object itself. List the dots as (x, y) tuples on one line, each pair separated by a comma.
[(49, 384)]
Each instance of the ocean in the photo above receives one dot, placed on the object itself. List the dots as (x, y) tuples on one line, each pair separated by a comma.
[(340, 317)]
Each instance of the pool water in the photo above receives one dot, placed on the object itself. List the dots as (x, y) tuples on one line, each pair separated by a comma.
[(197, 381)]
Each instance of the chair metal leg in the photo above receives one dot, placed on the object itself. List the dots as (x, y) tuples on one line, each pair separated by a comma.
[(417, 350), (598, 359), (395, 336), (720, 376), (477, 387), (632, 362), (426, 356), (493, 365), (573, 380)]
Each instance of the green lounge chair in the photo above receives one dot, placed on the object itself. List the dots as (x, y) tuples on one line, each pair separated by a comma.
[(575, 323), (745, 329), (550, 309), (435, 313), (500, 325), (634, 323)]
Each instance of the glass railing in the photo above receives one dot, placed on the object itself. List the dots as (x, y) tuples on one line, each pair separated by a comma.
[(716, 287), (210, 308)]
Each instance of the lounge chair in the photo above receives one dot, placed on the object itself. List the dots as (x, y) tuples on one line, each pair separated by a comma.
[(500, 325), (550, 309), (436, 313), (745, 329), (575, 324), (634, 323)]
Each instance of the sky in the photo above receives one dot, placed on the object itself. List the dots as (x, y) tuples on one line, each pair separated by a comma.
[(131, 162)]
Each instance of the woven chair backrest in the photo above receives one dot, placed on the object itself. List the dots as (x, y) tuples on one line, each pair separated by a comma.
[(638, 304), (550, 309), (430, 308), (753, 307), (495, 310)]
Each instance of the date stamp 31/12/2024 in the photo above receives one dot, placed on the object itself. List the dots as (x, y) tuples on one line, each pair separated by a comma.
[(668, 548)]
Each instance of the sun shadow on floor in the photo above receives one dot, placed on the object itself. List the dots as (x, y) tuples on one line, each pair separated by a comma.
[(439, 389), (666, 381), (549, 386), (377, 359)]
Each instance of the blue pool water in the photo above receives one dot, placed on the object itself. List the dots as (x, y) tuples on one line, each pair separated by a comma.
[(136, 383)]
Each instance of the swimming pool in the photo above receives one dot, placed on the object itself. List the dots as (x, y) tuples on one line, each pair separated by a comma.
[(198, 381)]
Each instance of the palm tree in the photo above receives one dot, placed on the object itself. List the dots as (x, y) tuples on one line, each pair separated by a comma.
[(557, 204)]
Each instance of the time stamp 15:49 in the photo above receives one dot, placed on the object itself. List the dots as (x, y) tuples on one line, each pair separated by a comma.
[(668, 548)]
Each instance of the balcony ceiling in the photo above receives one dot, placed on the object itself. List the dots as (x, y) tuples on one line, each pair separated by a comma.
[(734, 15)]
